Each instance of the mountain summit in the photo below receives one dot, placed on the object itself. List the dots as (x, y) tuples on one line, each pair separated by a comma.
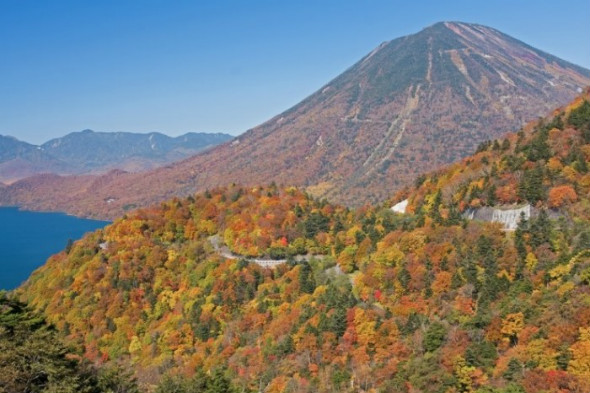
[(410, 105)]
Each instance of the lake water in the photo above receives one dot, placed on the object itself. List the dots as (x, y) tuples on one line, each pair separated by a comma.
[(27, 239)]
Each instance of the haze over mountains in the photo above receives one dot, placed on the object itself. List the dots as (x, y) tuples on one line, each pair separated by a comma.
[(409, 106), (95, 152)]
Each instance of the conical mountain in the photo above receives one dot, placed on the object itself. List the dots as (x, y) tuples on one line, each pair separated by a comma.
[(410, 105)]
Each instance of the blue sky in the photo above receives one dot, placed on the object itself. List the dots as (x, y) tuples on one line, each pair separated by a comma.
[(179, 66)]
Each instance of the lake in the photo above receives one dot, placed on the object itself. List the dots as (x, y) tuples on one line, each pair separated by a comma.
[(27, 239)]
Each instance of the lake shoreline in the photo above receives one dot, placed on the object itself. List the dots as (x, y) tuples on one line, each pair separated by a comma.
[(29, 238)]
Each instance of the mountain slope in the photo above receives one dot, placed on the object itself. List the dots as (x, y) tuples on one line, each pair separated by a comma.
[(98, 152), (410, 105), (20, 159), (424, 302), (544, 165), (33, 358)]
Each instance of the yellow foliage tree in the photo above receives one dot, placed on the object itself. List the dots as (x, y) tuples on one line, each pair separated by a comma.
[(463, 374), (512, 325), (531, 261), (540, 351), (580, 363)]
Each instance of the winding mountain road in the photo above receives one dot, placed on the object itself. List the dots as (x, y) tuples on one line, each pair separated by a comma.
[(225, 252)]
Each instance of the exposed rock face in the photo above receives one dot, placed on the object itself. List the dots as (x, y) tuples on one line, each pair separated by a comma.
[(409, 106)]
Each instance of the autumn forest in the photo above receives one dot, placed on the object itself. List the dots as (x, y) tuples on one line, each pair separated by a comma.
[(367, 299)]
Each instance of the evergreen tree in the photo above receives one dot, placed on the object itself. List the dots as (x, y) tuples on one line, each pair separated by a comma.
[(314, 224), (338, 321), (491, 195), (412, 324), (286, 346), (219, 383), (33, 358), (531, 186), (538, 148), (470, 273), (116, 379), (540, 229), (481, 354), (580, 118), (434, 337), (306, 279), (69, 245), (581, 165), (404, 277), (435, 209), (514, 370), (455, 217), (519, 242)]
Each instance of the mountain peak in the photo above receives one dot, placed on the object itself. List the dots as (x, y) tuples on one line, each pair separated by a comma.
[(10, 137), (444, 26), (438, 26)]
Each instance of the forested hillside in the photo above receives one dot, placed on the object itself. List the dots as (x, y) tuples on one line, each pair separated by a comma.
[(545, 164), (34, 358), (420, 302)]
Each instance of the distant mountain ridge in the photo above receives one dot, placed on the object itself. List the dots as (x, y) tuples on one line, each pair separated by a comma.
[(411, 105), (98, 152), (21, 159)]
